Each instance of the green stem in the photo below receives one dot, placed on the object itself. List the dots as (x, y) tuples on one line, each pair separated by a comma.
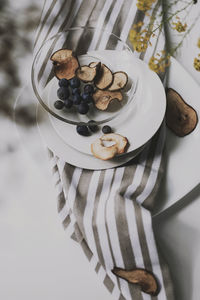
[(153, 17), (157, 39), (174, 14), (151, 23), (169, 6)]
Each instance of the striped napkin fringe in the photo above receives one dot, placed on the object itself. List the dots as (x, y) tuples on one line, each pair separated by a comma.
[(108, 212)]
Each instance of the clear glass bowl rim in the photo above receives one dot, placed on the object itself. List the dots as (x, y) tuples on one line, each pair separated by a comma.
[(32, 73)]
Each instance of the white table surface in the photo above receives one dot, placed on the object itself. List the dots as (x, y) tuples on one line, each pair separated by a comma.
[(36, 255)]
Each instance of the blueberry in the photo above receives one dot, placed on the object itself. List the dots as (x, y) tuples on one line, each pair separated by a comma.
[(106, 129), (59, 104), (89, 89), (74, 82), (82, 130), (77, 99), (76, 91), (68, 103), (63, 82), (87, 97), (92, 126), (83, 108), (63, 93)]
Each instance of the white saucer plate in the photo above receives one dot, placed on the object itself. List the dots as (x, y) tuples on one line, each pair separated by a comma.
[(139, 122)]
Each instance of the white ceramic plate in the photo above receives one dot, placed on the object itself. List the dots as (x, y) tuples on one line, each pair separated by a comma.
[(71, 155), (143, 116)]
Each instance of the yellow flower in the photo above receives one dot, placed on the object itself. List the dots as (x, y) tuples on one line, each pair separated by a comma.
[(138, 25), (198, 43), (197, 64), (144, 4), (139, 40), (159, 63), (179, 26), (153, 64)]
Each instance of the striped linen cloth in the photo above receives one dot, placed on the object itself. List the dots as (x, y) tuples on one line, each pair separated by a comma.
[(108, 212)]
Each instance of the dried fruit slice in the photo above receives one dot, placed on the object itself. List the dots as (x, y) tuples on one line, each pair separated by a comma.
[(66, 69), (181, 118), (95, 64), (103, 98), (102, 152), (65, 63), (145, 279), (99, 150), (120, 80), (61, 55), (104, 78), (86, 74), (120, 141)]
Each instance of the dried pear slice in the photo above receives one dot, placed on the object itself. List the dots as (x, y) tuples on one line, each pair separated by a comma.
[(66, 69), (145, 279), (120, 80), (181, 118), (61, 55), (104, 78), (86, 74), (95, 64), (103, 98)]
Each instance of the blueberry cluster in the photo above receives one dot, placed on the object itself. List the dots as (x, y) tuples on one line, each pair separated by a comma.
[(91, 126), (85, 130), (70, 94)]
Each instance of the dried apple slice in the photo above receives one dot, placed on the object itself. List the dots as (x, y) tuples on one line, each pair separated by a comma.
[(181, 118), (61, 55), (65, 63), (120, 141), (104, 78), (120, 80), (145, 279), (102, 152), (99, 150), (86, 74), (66, 69), (103, 98)]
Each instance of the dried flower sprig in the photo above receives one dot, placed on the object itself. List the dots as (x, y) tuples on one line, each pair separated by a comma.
[(159, 62), (139, 38), (140, 35), (178, 26), (197, 63), (145, 4)]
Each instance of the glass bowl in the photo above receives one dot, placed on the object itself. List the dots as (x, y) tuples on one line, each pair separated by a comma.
[(84, 42)]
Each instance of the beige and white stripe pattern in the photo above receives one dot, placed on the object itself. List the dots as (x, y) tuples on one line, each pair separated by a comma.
[(108, 212)]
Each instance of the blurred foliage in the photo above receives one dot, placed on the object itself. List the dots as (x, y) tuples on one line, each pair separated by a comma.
[(16, 41)]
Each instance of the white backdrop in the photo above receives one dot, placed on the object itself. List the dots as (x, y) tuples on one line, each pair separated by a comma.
[(34, 250)]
